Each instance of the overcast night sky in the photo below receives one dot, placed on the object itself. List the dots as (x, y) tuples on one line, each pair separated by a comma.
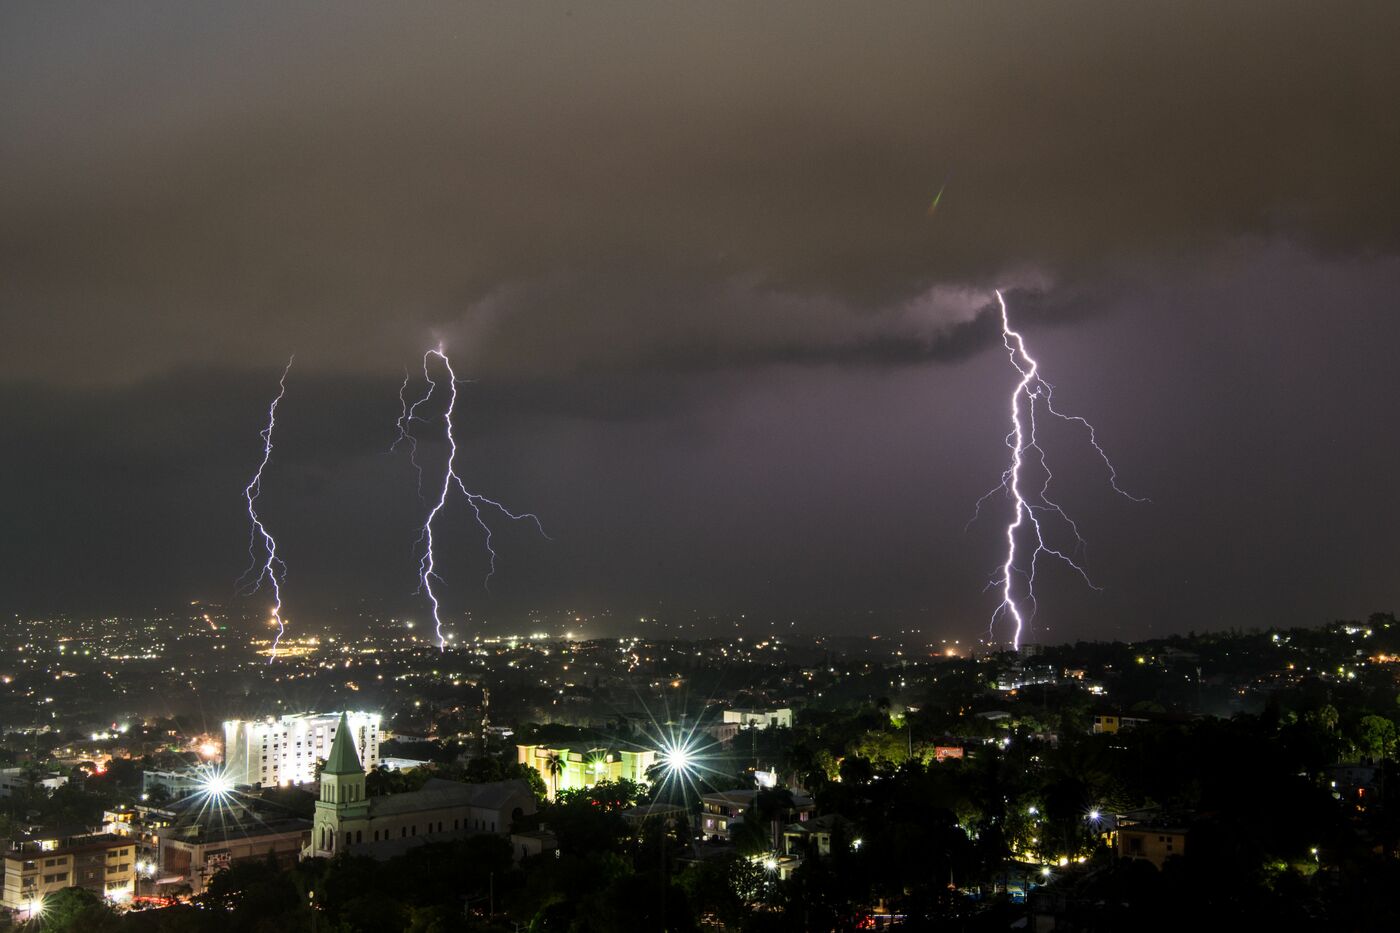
[(716, 339)]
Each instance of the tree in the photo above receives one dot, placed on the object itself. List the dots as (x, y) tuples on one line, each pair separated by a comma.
[(530, 776), (637, 902), (724, 886), (1376, 737), (75, 910), (253, 891), (750, 836), (554, 766), (856, 770)]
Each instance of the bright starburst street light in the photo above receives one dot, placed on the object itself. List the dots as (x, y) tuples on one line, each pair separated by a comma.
[(677, 758), (214, 788), (218, 785)]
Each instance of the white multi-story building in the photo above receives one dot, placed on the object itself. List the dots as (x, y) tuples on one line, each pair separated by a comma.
[(285, 751), (759, 718)]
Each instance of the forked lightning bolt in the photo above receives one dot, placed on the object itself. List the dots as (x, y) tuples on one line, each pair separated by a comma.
[(1022, 442), (408, 415), (268, 567), (427, 565)]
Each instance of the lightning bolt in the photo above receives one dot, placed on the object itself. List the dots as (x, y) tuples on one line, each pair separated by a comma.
[(267, 566), (1030, 508), (408, 415), (427, 564)]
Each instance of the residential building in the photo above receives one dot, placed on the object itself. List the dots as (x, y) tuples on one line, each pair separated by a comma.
[(41, 864), (173, 784), (286, 750), (805, 836), (532, 843), (347, 819), (759, 718), (722, 810), (1113, 723), (141, 824), (1154, 844), (564, 768), (194, 852), (12, 779), (651, 813)]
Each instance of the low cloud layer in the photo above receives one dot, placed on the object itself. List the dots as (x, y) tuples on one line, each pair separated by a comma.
[(625, 187)]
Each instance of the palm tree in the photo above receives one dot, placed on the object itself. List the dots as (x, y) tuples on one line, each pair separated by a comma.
[(554, 766), (773, 806)]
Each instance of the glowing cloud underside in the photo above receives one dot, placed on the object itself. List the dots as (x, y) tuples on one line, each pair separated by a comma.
[(427, 565), (1030, 507), (264, 565)]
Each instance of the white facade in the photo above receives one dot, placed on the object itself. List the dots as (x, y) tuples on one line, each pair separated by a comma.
[(759, 718), (12, 779), (285, 751)]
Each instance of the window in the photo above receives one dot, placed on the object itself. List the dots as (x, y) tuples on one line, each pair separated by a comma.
[(359, 836), (403, 832)]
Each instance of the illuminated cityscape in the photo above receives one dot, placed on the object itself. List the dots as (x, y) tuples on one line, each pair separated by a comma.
[(495, 467), (747, 747)]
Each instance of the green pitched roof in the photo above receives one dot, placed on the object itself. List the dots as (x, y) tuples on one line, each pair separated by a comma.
[(342, 758)]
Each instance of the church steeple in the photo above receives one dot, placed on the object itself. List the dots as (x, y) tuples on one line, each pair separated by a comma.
[(343, 759), (343, 810), (343, 777)]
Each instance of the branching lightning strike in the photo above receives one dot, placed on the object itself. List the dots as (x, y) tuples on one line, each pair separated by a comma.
[(427, 565), (408, 415), (1022, 442), (267, 567)]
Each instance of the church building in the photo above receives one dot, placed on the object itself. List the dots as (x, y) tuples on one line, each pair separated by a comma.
[(347, 820)]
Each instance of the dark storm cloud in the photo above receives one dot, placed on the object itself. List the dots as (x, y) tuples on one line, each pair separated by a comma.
[(604, 188), (686, 255)]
